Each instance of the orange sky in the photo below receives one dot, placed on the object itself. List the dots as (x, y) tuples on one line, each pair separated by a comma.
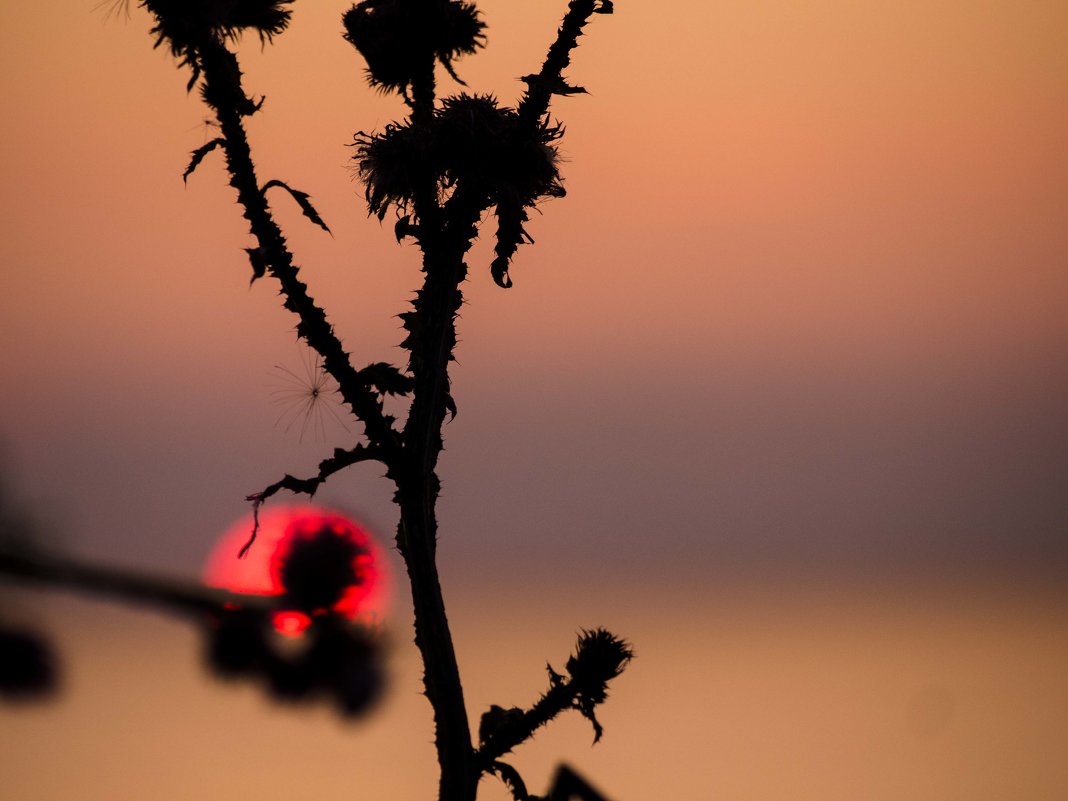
[(802, 310)]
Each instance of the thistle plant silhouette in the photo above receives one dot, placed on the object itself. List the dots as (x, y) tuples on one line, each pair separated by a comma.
[(448, 162)]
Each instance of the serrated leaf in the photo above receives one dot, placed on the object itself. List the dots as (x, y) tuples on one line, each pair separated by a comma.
[(499, 271), (258, 259), (198, 156), (510, 235), (303, 201), (387, 379), (553, 84)]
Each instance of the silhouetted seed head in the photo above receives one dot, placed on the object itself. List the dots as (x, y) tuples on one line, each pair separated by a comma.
[(470, 141), (27, 666), (394, 164), (485, 143), (185, 24), (397, 38), (599, 657), (310, 396), (315, 566)]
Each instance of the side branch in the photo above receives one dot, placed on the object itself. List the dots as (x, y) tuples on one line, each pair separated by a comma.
[(223, 92), (308, 486), (327, 467), (599, 658), (550, 80)]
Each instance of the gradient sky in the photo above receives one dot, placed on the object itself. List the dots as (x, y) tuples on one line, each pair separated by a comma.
[(801, 314), (805, 300)]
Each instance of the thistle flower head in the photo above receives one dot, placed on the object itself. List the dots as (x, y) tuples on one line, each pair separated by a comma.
[(599, 657), (187, 25), (470, 140), (397, 38), (183, 24), (393, 165)]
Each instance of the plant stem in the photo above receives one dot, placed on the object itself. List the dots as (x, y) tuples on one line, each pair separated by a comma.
[(223, 78), (418, 489)]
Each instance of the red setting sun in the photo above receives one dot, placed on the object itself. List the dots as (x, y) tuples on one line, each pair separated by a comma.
[(285, 533)]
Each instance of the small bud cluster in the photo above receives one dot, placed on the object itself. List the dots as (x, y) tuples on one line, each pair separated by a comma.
[(332, 659), (319, 565), (27, 666)]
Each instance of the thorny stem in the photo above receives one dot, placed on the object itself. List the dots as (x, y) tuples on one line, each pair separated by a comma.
[(535, 102), (411, 455), (220, 70), (432, 329)]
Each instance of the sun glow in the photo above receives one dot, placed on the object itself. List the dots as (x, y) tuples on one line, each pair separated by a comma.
[(282, 530)]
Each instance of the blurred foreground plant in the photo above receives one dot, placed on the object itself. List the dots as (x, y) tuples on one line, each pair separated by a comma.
[(439, 170)]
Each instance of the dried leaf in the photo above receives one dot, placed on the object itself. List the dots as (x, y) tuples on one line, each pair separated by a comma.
[(198, 156), (387, 379), (303, 201)]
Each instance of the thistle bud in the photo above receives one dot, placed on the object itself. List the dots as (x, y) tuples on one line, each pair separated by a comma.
[(396, 38), (599, 657), (318, 562), (27, 666)]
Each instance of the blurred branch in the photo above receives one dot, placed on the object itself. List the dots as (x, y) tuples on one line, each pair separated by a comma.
[(184, 597)]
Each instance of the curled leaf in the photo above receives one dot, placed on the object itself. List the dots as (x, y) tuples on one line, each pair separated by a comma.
[(199, 154), (510, 776), (303, 201)]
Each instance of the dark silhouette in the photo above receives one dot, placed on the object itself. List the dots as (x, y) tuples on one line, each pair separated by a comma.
[(438, 170)]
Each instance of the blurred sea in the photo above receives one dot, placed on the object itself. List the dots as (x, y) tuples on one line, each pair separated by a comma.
[(748, 691)]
